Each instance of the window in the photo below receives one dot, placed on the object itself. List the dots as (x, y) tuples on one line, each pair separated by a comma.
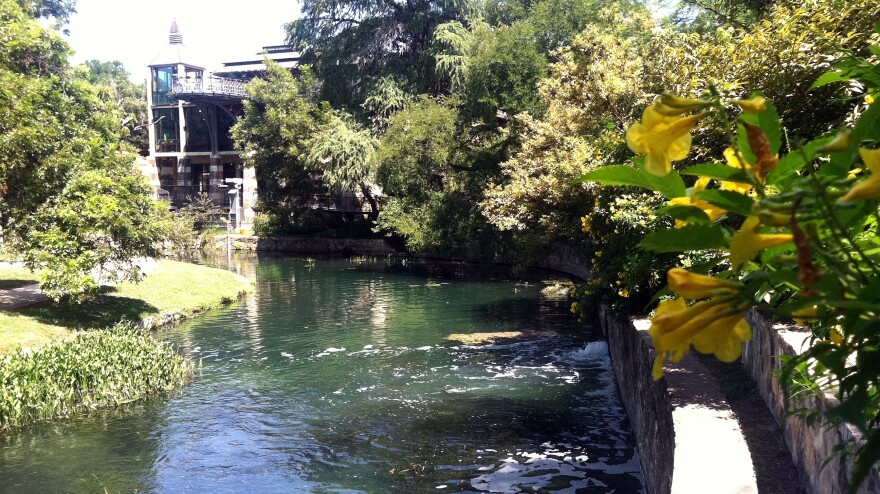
[(198, 135), (230, 170), (163, 78), (200, 176), (167, 129), (167, 168)]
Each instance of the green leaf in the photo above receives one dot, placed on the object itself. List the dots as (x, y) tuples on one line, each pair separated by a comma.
[(729, 200), (867, 128), (691, 237), (768, 121), (670, 186), (828, 78), (719, 171), (794, 161), (742, 141), (691, 214), (875, 49)]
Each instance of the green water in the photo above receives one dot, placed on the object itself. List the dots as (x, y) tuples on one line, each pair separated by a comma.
[(336, 376)]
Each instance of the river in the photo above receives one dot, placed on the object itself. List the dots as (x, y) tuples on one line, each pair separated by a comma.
[(336, 376)]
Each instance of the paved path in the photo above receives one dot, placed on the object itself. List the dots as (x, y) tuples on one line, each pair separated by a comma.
[(22, 296)]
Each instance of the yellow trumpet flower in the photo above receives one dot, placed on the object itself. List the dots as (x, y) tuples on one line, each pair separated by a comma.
[(662, 139), (696, 286), (868, 188), (724, 337), (747, 242), (755, 105), (734, 162), (711, 326), (712, 211)]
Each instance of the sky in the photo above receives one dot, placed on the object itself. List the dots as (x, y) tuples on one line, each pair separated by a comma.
[(133, 32)]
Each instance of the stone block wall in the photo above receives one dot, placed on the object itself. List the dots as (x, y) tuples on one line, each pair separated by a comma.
[(303, 245), (810, 445), (647, 401)]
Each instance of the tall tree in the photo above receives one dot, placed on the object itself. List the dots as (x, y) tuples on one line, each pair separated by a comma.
[(281, 115), (115, 87), (70, 200), (351, 44), (346, 155)]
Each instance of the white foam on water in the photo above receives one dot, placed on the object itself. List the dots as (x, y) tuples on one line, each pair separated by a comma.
[(329, 351), (592, 351)]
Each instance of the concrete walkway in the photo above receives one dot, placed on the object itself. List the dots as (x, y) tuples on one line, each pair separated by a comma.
[(22, 296), (711, 454)]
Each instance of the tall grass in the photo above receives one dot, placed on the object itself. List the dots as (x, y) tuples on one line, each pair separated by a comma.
[(101, 368)]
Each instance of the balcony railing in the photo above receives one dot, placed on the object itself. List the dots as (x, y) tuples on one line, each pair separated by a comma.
[(207, 86)]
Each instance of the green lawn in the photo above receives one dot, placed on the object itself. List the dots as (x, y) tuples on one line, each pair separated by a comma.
[(173, 287), (13, 275)]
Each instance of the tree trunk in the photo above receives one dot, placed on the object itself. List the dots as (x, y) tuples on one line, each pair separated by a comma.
[(374, 206)]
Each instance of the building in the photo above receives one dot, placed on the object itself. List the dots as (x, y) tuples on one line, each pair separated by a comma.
[(191, 112), (191, 152)]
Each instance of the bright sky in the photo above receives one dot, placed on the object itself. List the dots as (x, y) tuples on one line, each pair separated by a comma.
[(216, 31)]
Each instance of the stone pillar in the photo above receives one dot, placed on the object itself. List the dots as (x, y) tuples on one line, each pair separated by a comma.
[(248, 196)]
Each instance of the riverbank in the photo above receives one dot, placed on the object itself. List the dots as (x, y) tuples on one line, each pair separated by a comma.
[(171, 291)]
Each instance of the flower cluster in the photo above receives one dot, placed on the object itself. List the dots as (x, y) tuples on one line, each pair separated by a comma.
[(715, 325)]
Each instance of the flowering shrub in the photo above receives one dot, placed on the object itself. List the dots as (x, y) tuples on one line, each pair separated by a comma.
[(797, 231)]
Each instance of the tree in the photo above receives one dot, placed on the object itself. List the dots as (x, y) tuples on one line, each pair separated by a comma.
[(280, 118), (60, 10), (346, 155), (116, 88), (70, 200), (353, 43)]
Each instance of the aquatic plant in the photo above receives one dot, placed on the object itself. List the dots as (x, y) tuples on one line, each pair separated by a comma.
[(96, 369)]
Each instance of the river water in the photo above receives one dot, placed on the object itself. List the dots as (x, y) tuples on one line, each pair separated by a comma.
[(336, 376)]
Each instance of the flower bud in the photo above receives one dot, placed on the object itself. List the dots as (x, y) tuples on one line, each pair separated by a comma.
[(684, 104), (841, 142)]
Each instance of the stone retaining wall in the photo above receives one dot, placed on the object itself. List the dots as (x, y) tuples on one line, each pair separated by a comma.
[(365, 246), (688, 438), (646, 401), (810, 445)]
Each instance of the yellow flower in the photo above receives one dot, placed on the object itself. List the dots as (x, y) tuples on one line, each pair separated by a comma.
[(755, 105), (805, 315), (696, 286), (724, 337), (747, 242), (712, 211), (711, 326), (734, 162), (869, 99), (662, 139), (841, 142), (835, 336), (868, 188)]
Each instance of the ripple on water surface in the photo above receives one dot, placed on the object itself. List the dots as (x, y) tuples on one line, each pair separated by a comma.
[(339, 378)]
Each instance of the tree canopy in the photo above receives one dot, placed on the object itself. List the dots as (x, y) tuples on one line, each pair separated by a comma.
[(70, 200)]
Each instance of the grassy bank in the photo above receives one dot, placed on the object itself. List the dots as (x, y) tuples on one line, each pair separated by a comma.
[(172, 288), (14, 276)]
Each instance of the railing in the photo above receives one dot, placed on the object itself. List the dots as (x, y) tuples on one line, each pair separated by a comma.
[(208, 86)]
